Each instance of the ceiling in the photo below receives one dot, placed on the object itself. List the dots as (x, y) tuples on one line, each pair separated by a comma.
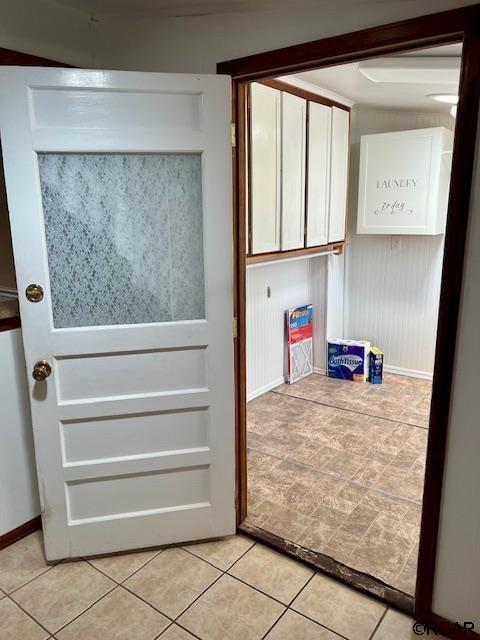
[(173, 8), (349, 82)]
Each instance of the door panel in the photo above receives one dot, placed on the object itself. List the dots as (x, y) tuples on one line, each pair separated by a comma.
[(119, 190), (339, 174), (318, 184), (294, 112), (265, 168)]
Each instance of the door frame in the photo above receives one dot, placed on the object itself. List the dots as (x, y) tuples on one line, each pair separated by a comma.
[(457, 25)]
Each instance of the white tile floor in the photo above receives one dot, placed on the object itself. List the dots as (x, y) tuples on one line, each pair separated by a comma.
[(225, 590)]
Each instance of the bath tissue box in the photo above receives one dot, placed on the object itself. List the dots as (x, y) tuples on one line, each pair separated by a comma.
[(348, 359)]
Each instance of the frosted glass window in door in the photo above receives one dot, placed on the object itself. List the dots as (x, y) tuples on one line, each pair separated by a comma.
[(124, 237)]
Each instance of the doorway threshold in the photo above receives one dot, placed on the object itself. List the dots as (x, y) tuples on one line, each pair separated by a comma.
[(331, 567)]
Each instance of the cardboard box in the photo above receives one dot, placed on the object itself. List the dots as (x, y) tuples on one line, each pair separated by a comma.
[(348, 359)]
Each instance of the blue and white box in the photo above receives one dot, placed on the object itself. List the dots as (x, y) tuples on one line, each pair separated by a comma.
[(348, 359)]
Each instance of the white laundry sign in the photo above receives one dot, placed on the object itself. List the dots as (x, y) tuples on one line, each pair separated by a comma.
[(403, 181)]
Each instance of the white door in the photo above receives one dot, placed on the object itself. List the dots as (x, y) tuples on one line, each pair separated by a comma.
[(119, 190)]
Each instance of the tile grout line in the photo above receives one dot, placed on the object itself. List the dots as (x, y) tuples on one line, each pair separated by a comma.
[(331, 474), (339, 635), (320, 573), (213, 565), (89, 560), (333, 406), (275, 623), (89, 607), (289, 607), (222, 573), (49, 568), (123, 586), (30, 616), (379, 623)]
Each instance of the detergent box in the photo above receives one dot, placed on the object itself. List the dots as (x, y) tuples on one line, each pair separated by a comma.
[(348, 359), (375, 367)]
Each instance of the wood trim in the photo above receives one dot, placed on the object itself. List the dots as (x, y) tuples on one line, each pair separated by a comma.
[(436, 29), (17, 58), (416, 33), (20, 532), (292, 253), (449, 307), (247, 140), (303, 93), (240, 212), (6, 324), (333, 568)]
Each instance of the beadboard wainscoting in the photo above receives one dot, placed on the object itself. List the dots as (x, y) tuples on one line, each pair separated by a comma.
[(290, 284), (392, 283)]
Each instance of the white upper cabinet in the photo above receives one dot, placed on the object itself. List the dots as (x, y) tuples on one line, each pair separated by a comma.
[(288, 208), (265, 168), (404, 182), (339, 174), (294, 113), (318, 184)]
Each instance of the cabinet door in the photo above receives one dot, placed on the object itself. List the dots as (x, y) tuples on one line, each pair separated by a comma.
[(294, 111), (318, 180), (404, 180), (339, 174), (265, 168)]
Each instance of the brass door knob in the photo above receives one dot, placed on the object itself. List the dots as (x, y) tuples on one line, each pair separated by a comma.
[(41, 370), (34, 293)]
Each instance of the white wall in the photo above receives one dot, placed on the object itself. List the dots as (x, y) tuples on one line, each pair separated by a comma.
[(19, 501), (198, 43), (292, 284), (457, 579), (392, 282), (47, 29)]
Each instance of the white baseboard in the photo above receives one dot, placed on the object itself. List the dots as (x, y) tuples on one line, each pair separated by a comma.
[(320, 371), (411, 373), (268, 387), (401, 371)]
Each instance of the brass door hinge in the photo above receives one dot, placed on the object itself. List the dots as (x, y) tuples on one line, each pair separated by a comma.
[(233, 134), (235, 328)]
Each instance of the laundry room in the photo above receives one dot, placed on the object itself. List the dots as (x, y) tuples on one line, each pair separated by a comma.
[(348, 177)]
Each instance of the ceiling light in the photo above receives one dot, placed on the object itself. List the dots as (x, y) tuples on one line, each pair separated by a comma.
[(448, 98), (413, 70)]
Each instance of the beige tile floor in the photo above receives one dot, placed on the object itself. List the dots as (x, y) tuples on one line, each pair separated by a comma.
[(338, 467), (231, 589)]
